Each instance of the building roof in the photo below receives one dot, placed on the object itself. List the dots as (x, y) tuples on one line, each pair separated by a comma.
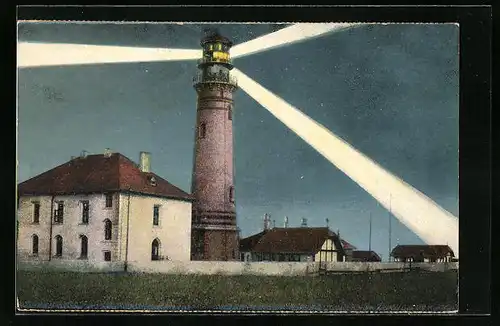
[(426, 251), (98, 174), (246, 244), (214, 36), (346, 245), (365, 255), (289, 240)]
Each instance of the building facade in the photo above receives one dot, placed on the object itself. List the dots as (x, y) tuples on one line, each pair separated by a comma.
[(103, 208), (214, 229)]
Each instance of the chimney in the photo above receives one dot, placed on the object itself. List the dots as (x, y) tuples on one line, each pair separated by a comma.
[(286, 222), (267, 220), (107, 152), (145, 162), (274, 224), (304, 222)]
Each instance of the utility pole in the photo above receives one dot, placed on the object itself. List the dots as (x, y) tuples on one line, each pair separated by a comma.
[(370, 236), (390, 227)]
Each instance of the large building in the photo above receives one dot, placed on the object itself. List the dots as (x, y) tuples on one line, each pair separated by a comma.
[(102, 208), (214, 229), (303, 244)]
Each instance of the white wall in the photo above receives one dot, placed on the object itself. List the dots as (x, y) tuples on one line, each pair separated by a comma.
[(71, 228), (272, 268), (70, 265), (326, 256), (227, 268), (173, 231)]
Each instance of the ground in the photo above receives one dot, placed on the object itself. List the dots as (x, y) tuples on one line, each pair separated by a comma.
[(386, 291)]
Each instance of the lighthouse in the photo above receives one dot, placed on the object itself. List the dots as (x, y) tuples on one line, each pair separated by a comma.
[(215, 235)]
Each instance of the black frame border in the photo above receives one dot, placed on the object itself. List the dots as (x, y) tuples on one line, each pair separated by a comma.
[(475, 110)]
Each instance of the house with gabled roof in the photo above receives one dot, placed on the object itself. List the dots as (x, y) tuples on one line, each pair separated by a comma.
[(103, 208), (423, 253), (365, 256), (293, 244)]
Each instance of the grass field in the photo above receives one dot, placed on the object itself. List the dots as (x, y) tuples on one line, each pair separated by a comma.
[(386, 291)]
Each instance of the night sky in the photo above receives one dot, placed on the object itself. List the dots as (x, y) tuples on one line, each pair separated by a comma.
[(391, 91)]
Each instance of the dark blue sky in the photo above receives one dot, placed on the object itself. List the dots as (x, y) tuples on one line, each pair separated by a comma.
[(391, 91)]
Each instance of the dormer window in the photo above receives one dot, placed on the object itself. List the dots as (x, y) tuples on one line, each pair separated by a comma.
[(152, 181)]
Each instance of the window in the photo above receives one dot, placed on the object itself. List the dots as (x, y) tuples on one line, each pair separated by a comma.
[(83, 246), (231, 194), (85, 212), (155, 250), (202, 129), (199, 244), (107, 229), (59, 212), (107, 256), (36, 212), (156, 215), (59, 245), (35, 245), (230, 113), (109, 200)]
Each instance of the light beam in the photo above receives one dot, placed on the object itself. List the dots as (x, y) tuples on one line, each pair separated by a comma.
[(46, 54), (424, 217), (288, 35)]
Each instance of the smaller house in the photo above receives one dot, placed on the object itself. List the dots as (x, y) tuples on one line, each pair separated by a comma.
[(422, 253), (292, 244), (365, 256), (348, 250)]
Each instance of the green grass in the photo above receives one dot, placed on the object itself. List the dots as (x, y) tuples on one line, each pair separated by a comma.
[(381, 291)]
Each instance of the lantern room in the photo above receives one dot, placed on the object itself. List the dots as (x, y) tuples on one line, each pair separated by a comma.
[(216, 50)]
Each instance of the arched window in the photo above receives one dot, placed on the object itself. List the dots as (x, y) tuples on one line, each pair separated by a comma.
[(35, 245), (231, 194), (107, 229), (84, 246), (202, 130), (59, 245), (155, 250)]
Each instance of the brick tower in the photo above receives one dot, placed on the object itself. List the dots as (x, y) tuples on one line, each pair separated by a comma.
[(215, 235)]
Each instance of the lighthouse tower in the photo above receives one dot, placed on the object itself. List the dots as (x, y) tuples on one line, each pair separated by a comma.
[(215, 235)]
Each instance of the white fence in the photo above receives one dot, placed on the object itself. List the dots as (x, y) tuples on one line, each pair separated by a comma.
[(231, 268)]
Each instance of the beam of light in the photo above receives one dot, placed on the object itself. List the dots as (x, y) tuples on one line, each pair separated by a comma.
[(288, 35), (424, 217), (46, 54)]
